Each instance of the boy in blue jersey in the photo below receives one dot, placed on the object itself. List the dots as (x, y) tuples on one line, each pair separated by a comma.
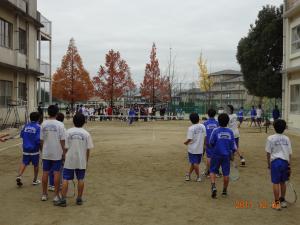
[(131, 115), (223, 144), (210, 125), (31, 146), (240, 116)]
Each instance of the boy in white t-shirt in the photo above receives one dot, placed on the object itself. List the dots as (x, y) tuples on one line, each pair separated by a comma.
[(78, 145), (279, 151), (259, 113), (195, 141), (52, 145), (234, 126)]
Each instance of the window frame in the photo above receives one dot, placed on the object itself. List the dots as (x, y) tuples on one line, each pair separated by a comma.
[(295, 102), (4, 99), (22, 41), (22, 91), (6, 29)]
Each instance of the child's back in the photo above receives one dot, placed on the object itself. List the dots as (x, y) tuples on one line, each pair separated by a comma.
[(222, 139), (196, 133), (31, 137), (210, 125), (78, 141), (279, 146), (52, 132)]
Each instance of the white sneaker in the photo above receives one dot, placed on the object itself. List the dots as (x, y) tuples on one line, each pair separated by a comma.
[(36, 182), (199, 179), (56, 199), (44, 198), (187, 177), (283, 204), (51, 188)]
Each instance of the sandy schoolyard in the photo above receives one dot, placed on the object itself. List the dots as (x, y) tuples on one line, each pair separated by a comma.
[(136, 177)]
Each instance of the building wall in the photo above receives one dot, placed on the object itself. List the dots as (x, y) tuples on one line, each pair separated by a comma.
[(291, 62), (15, 59)]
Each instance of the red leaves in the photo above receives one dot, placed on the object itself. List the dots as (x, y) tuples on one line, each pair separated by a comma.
[(71, 82), (154, 88), (114, 79)]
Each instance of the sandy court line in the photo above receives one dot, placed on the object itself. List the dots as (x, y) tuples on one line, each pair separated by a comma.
[(8, 147)]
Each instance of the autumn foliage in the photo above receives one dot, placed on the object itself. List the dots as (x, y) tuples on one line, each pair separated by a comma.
[(113, 79), (154, 88), (71, 82), (205, 81)]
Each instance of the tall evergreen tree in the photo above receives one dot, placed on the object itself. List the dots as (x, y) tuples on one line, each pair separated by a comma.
[(260, 54)]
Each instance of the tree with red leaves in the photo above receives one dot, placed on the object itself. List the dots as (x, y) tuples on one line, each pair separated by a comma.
[(151, 85), (71, 82), (113, 79), (165, 89)]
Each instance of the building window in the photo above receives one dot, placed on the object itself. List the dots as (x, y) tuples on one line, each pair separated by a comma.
[(296, 39), (5, 92), (22, 91), (295, 99), (5, 34), (22, 41)]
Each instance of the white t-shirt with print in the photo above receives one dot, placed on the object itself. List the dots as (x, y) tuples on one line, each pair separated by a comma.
[(258, 113), (196, 133), (279, 146), (233, 125), (78, 141), (52, 132)]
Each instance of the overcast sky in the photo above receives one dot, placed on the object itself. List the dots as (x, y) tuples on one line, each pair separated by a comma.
[(131, 26)]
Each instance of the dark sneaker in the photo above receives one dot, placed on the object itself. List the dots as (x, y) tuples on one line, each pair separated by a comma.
[(214, 192), (79, 201), (19, 181), (224, 193), (61, 203)]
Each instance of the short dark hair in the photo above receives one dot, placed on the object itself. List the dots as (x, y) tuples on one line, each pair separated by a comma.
[(231, 108), (34, 116), (52, 110), (79, 120), (211, 113), (60, 117), (194, 118), (279, 126), (223, 120)]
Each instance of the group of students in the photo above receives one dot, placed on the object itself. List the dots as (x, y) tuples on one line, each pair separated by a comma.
[(219, 139), (256, 115), (63, 152)]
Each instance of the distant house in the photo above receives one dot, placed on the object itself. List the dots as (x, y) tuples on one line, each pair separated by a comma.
[(228, 88)]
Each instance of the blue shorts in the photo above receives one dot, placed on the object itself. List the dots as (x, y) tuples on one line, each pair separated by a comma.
[(279, 171), (209, 152), (217, 161), (68, 174), (34, 159), (53, 165), (195, 158)]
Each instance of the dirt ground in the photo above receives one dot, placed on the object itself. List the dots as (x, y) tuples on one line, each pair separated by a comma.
[(136, 176)]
